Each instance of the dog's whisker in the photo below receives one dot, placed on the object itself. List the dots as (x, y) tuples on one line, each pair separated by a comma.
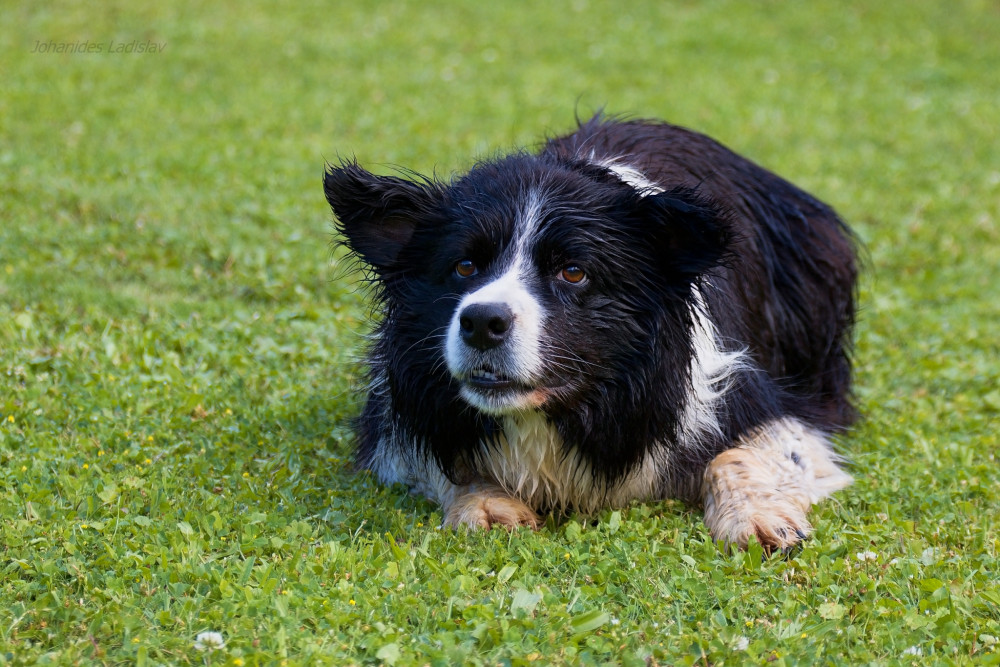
[(425, 339)]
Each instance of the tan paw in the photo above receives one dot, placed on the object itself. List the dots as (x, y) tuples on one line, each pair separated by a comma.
[(778, 526), (747, 494), (489, 507)]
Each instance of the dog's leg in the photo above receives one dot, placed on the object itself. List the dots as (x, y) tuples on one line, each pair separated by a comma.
[(480, 504), (486, 505), (765, 485)]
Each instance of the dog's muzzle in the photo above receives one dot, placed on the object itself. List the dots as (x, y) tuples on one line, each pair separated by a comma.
[(492, 346)]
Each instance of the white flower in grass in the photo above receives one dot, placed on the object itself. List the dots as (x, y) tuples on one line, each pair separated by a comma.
[(913, 650), (867, 555), (209, 641), (741, 644)]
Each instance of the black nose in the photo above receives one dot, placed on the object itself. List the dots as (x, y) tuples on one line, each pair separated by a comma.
[(485, 325)]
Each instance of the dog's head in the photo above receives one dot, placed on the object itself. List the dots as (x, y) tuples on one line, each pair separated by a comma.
[(529, 283)]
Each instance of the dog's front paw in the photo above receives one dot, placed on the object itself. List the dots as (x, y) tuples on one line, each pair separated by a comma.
[(485, 508), (746, 496), (777, 524)]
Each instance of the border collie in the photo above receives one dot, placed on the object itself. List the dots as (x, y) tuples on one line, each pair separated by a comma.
[(632, 313)]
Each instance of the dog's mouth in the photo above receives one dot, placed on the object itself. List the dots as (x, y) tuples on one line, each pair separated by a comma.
[(495, 392), (489, 379)]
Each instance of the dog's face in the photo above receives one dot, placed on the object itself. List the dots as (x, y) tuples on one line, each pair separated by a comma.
[(528, 283)]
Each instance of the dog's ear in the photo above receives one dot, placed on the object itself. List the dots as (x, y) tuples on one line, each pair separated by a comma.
[(377, 215), (690, 234)]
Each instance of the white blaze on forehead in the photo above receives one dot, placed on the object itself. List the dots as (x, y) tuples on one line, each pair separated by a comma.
[(526, 226)]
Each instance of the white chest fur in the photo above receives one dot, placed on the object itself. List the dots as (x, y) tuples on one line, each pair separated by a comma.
[(531, 463)]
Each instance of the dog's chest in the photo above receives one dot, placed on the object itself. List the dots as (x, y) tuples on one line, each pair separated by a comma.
[(532, 463)]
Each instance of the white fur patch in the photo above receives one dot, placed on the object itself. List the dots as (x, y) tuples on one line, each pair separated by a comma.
[(531, 464), (811, 452), (629, 175), (712, 373)]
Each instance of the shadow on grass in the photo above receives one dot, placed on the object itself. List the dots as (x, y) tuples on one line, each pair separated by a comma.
[(316, 449)]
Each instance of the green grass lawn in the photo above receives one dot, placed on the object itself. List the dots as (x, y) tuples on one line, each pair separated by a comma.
[(179, 343)]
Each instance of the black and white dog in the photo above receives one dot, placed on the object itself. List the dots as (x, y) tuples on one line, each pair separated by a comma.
[(633, 313)]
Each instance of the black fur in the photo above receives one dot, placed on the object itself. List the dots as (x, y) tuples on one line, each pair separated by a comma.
[(774, 265)]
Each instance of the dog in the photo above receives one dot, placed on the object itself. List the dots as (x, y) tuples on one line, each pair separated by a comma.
[(631, 313)]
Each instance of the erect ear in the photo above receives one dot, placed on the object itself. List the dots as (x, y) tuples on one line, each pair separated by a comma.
[(691, 235), (376, 214)]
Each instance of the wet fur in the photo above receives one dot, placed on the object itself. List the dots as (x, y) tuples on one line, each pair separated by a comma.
[(718, 308)]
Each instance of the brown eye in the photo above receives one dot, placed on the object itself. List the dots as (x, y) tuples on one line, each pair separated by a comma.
[(572, 274), (466, 268)]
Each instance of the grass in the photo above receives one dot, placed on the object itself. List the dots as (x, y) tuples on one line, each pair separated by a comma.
[(178, 343)]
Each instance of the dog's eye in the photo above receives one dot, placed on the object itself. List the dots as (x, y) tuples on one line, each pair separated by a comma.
[(572, 274), (466, 268)]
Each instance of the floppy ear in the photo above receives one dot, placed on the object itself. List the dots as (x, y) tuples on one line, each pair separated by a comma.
[(691, 235), (377, 215)]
